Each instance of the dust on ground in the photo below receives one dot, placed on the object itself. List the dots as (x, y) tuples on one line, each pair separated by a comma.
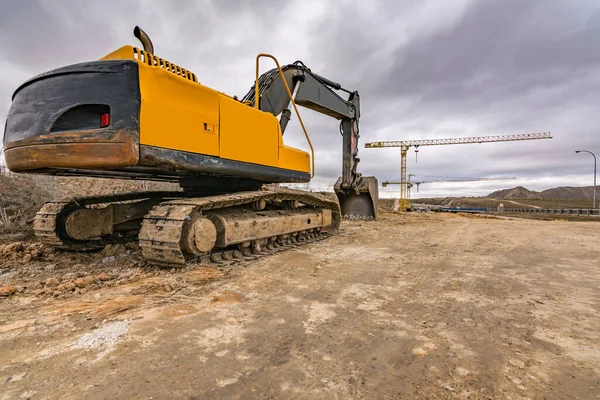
[(422, 305)]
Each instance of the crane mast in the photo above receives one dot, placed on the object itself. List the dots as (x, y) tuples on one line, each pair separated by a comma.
[(405, 145)]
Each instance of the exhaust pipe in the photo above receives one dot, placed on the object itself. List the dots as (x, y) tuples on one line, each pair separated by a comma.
[(144, 38)]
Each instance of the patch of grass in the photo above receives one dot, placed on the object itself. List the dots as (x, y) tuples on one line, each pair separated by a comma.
[(9, 220)]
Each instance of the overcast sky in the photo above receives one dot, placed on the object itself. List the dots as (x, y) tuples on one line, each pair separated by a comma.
[(424, 69)]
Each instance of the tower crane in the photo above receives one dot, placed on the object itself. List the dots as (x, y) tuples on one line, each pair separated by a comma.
[(405, 145)]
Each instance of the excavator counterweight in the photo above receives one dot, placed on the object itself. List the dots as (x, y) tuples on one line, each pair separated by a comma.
[(134, 115)]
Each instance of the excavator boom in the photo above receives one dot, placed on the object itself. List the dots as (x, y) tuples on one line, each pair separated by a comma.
[(358, 195)]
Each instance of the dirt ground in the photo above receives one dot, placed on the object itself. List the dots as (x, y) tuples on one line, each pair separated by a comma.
[(424, 305)]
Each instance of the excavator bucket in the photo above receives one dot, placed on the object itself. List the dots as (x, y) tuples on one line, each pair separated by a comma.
[(360, 203)]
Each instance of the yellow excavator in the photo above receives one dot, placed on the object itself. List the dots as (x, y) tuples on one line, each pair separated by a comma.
[(134, 115)]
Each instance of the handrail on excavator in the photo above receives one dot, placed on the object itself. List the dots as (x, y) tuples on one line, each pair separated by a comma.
[(289, 92)]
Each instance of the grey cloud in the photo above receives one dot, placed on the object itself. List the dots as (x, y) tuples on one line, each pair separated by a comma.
[(505, 46)]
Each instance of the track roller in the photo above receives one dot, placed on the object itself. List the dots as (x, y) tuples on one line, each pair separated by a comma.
[(180, 231)]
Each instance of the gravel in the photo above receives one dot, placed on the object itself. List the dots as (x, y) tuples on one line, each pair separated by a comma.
[(105, 336)]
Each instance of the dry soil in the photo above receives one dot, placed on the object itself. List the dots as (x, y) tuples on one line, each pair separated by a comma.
[(408, 306)]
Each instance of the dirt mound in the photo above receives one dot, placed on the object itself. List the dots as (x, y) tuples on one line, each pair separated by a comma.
[(32, 268), (387, 204), (21, 196), (518, 192), (24, 252)]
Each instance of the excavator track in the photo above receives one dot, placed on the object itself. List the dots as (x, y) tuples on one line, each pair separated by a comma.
[(165, 234), (49, 221), (231, 257), (162, 227)]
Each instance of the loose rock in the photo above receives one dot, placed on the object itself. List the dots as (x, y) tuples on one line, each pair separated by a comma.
[(106, 260), (83, 282), (7, 291), (104, 277), (52, 282)]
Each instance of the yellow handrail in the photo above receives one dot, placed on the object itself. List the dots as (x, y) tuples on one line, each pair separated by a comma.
[(289, 92)]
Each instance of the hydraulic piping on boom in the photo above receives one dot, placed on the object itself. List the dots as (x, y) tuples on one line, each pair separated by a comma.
[(357, 195)]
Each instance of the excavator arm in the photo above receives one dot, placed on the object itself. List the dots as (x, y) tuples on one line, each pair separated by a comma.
[(357, 195)]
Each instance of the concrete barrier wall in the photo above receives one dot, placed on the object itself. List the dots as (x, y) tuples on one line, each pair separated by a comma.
[(558, 211)]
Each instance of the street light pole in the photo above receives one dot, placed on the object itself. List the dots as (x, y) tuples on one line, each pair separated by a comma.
[(593, 155)]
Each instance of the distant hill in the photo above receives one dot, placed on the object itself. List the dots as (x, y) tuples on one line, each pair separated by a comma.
[(563, 192), (570, 192), (518, 192)]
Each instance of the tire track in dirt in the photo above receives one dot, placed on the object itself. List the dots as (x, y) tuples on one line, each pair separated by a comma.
[(353, 316), (423, 283), (429, 281)]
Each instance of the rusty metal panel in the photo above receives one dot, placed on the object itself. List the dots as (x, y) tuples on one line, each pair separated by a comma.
[(86, 149)]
